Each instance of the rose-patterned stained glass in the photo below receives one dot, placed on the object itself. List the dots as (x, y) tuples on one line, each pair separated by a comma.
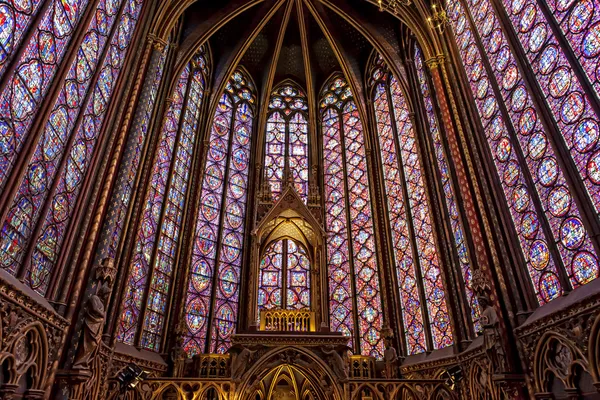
[(200, 286), (284, 264), (78, 159), (145, 239), (526, 219), (410, 299), (232, 232), (579, 21), (560, 209), (352, 264), (36, 67), (558, 201), (15, 18), (170, 226), (564, 94), (48, 153), (286, 145), (220, 223), (450, 197), (127, 176)]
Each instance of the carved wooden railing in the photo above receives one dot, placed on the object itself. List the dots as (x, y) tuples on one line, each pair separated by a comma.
[(287, 320), (211, 365), (159, 389), (361, 367), (31, 337)]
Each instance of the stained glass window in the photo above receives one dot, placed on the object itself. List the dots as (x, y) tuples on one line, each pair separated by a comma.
[(416, 256), (67, 145), (15, 19), (214, 279), (159, 229), (580, 24), (39, 62), (286, 148), (523, 151), (450, 198), (126, 177), (563, 91), (270, 278), (354, 290), (284, 270)]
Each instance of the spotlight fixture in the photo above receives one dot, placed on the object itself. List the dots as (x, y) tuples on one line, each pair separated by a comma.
[(452, 376), (130, 377), (392, 6)]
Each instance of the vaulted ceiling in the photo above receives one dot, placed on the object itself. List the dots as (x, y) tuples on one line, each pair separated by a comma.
[(302, 40)]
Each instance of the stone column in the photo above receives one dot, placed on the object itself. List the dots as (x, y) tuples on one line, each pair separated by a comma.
[(121, 196)]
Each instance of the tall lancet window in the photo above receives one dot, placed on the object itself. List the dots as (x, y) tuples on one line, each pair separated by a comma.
[(284, 277), (211, 306), (579, 22), (354, 290), (38, 61), (450, 197), (159, 229), (563, 91), (55, 167), (555, 243), (286, 147), (140, 132), (418, 269)]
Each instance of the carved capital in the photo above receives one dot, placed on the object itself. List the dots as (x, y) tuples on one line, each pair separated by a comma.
[(432, 63), (157, 43)]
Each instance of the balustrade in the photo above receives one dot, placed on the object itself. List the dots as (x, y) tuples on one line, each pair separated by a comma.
[(287, 320), (361, 367), (211, 365)]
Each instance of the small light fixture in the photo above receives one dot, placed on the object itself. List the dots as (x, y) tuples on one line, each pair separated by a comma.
[(392, 6), (438, 18)]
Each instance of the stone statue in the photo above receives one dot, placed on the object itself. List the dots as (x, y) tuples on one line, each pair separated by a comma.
[(92, 328), (492, 341), (389, 358), (178, 356), (336, 362), (240, 362)]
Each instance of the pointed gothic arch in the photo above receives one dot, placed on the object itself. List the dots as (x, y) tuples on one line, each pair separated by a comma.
[(288, 219), (214, 277), (151, 266), (558, 358), (418, 262), (352, 264), (307, 364), (287, 139)]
